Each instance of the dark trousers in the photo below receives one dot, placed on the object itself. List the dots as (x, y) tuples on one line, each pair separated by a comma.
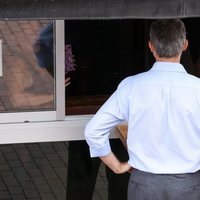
[(83, 171), (148, 186)]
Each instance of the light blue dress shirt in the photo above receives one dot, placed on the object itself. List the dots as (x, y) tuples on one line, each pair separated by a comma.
[(162, 108)]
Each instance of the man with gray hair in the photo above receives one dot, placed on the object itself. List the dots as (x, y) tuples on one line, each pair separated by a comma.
[(162, 108)]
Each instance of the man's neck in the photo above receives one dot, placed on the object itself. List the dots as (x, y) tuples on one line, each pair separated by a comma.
[(173, 59)]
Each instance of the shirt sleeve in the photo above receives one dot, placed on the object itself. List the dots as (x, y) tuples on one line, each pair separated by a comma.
[(108, 116)]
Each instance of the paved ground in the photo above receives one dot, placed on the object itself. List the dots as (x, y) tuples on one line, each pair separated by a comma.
[(39, 172)]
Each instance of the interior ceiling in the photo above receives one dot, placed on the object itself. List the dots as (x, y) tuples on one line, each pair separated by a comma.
[(98, 9)]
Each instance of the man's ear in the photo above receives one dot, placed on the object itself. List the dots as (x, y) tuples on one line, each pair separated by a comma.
[(151, 47), (185, 45)]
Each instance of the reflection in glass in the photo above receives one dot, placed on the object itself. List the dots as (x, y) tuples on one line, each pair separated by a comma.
[(24, 85), (105, 51)]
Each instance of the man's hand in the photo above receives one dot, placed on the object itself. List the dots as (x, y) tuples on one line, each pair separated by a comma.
[(125, 167), (115, 165)]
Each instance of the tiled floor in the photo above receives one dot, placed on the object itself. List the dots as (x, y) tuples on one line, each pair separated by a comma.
[(39, 172)]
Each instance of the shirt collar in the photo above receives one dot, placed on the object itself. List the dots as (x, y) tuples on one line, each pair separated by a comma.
[(168, 67)]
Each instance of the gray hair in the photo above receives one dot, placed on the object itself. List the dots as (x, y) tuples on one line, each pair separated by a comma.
[(167, 37)]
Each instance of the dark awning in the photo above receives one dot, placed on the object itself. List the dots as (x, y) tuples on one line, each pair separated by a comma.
[(98, 9)]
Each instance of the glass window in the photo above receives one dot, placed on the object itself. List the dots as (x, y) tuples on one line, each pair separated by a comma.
[(105, 52), (28, 79)]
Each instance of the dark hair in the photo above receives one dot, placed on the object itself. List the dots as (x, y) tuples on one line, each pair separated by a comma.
[(167, 37)]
